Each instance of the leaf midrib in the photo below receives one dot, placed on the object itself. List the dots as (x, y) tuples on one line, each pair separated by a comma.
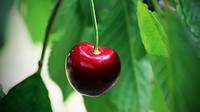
[(133, 61)]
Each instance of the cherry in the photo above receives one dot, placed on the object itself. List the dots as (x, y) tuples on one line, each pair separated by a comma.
[(89, 73)]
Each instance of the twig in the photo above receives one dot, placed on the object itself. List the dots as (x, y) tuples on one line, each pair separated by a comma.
[(48, 29)]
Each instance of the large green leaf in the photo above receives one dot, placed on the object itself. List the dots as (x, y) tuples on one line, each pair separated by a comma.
[(119, 31), (35, 14), (184, 64), (177, 70), (30, 95), (189, 9), (72, 27), (156, 45), (1, 92)]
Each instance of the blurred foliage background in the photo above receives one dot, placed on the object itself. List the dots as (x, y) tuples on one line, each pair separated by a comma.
[(5, 8), (159, 49)]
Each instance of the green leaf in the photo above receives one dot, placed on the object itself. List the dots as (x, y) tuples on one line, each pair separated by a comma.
[(99, 104), (189, 9), (119, 31), (72, 26), (30, 95), (156, 45), (177, 70), (157, 102), (35, 14), (153, 35), (184, 65), (65, 14), (1, 92)]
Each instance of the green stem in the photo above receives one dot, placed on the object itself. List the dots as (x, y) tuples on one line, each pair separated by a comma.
[(95, 50), (48, 29)]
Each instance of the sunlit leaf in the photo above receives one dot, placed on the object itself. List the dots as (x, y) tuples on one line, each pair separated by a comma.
[(156, 44), (30, 95), (157, 101), (153, 36), (177, 70)]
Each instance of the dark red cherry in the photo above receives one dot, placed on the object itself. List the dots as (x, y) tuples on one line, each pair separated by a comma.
[(92, 74)]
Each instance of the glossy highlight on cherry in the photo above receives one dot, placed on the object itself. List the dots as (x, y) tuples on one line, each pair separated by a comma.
[(92, 74)]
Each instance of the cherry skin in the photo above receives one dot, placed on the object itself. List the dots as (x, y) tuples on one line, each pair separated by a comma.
[(92, 74)]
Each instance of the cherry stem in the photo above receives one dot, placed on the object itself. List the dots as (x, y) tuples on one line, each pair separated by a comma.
[(48, 29), (95, 50)]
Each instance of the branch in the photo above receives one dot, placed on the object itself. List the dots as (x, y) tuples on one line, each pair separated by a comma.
[(48, 29)]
